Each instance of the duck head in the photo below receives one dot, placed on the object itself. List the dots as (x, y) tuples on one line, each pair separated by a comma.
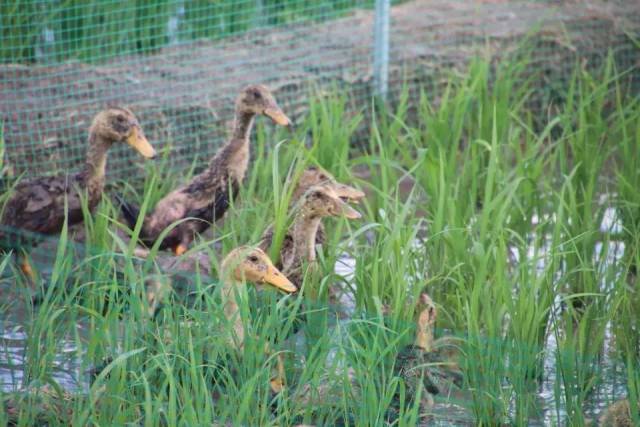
[(120, 125), (248, 264), (257, 99), (315, 175), (323, 200), (426, 314)]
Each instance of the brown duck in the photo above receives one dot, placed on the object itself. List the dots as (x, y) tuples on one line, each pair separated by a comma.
[(241, 266), (317, 195), (206, 198), (617, 414), (38, 205), (426, 364)]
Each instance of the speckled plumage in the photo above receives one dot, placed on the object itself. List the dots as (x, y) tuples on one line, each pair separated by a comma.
[(618, 414), (38, 205), (45, 406)]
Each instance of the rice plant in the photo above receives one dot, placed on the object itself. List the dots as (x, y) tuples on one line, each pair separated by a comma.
[(499, 214)]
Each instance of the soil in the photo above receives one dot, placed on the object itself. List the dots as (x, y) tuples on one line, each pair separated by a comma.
[(184, 94)]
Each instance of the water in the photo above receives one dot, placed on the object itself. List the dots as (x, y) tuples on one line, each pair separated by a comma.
[(13, 360)]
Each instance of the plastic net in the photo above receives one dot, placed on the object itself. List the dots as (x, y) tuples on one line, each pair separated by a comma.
[(178, 64)]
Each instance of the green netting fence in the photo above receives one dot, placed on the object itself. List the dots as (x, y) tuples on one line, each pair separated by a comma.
[(179, 63)]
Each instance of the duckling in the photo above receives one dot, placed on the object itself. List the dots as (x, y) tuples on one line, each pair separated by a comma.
[(46, 405), (327, 198), (421, 364), (617, 414), (40, 205), (206, 198), (247, 265)]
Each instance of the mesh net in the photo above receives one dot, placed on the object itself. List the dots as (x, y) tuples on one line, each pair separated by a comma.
[(179, 64)]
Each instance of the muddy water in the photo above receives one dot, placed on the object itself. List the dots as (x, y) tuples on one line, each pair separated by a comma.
[(68, 374), (13, 360)]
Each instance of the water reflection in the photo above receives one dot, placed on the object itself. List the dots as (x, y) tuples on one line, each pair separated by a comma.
[(68, 361)]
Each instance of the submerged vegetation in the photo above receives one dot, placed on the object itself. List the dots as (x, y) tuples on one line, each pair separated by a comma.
[(522, 225)]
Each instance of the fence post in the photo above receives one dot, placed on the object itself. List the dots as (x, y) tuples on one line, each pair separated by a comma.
[(259, 17), (381, 49)]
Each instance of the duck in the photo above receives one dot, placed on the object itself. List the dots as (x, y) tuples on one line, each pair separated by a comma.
[(208, 195), (246, 264), (426, 364), (618, 414), (316, 196), (40, 206), (45, 404), (315, 175)]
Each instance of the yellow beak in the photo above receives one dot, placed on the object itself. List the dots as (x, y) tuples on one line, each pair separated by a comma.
[(277, 116), (348, 212), (277, 279), (138, 141)]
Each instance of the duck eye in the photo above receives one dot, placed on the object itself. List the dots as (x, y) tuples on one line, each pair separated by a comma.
[(253, 258), (120, 119)]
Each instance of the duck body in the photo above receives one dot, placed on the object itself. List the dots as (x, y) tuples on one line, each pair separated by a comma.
[(415, 366), (199, 203), (44, 405), (618, 414), (38, 205), (422, 365), (207, 197)]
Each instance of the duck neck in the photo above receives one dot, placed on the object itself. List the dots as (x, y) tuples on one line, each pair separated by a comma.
[(242, 125), (230, 292), (235, 153), (424, 332), (96, 162), (305, 228)]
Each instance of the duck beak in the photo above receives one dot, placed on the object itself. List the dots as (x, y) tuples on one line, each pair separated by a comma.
[(277, 279), (138, 141), (276, 114), (348, 193), (347, 211)]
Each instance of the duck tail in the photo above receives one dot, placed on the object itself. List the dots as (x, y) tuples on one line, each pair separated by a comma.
[(130, 212)]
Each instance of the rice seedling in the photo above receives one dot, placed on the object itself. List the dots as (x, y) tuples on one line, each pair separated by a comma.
[(496, 212)]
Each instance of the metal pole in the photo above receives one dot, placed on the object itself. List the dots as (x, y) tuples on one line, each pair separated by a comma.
[(259, 18), (381, 49)]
